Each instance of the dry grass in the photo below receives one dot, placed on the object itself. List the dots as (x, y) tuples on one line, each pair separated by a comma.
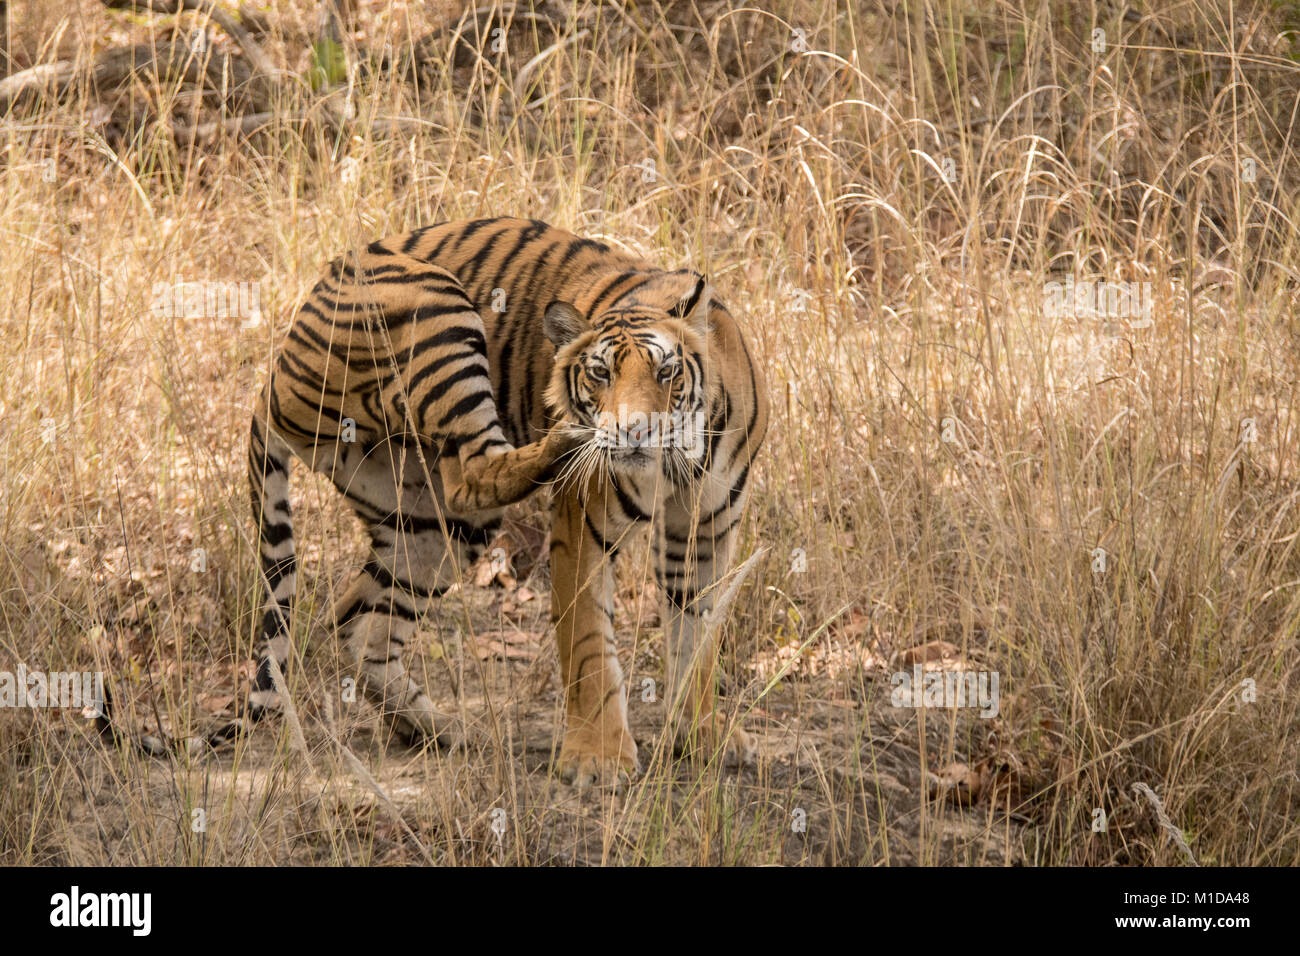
[(799, 156)]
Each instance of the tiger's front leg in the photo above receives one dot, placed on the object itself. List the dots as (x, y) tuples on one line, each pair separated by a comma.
[(598, 747), (692, 553), (484, 482)]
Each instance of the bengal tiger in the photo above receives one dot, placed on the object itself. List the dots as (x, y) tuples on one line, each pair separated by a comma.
[(437, 377)]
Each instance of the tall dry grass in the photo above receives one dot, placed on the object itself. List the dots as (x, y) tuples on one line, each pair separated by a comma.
[(883, 191)]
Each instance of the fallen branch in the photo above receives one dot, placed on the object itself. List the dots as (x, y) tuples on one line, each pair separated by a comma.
[(169, 61), (263, 69)]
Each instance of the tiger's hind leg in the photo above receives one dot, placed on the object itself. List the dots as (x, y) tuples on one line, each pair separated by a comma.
[(417, 552), (410, 564)]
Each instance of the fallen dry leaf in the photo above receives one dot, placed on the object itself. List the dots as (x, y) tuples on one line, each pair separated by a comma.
[(996, 778), (510, 603), (957, 782), (856, 628), (870, 660), (944, 651), (486, 577), (508, 645), (217, 704)]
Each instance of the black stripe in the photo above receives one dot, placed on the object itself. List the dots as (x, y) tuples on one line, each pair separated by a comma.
[(683, 308), (606, 294), (631, 510), (413, 239), (276, 533), (464, 407), (386, 579), (605, 546), (439, 389)]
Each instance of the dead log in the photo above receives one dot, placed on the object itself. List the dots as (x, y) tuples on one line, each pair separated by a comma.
[(169, 61), (264, 71)]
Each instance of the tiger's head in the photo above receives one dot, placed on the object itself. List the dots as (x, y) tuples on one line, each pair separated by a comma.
[(633, 378)]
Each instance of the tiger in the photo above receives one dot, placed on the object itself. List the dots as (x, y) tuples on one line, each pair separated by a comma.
[(439, 376)]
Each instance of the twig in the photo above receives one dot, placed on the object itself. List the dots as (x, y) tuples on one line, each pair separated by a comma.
[(1165, 822), (296, 736), (733, 580), (364, 775)]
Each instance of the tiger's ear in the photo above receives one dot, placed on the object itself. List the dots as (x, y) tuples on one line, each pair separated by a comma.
[(562, 323), (693, 309)]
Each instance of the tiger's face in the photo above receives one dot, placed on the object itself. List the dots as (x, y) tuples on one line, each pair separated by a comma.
[(633, 380)]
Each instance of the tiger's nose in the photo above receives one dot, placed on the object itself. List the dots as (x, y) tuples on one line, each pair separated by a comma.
[(638, 434)]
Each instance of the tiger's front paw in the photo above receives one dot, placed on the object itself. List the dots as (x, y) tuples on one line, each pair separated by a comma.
[(563, 438), (602, 761)]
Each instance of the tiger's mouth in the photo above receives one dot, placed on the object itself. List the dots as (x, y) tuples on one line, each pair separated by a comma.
[(634, 458), (625, 432), (630, 446), (635, 445)]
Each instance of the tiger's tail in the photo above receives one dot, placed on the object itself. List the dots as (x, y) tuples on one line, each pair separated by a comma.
[(268, 484)]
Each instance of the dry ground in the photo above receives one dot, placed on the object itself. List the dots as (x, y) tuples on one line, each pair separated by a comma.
[(883, 192)]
